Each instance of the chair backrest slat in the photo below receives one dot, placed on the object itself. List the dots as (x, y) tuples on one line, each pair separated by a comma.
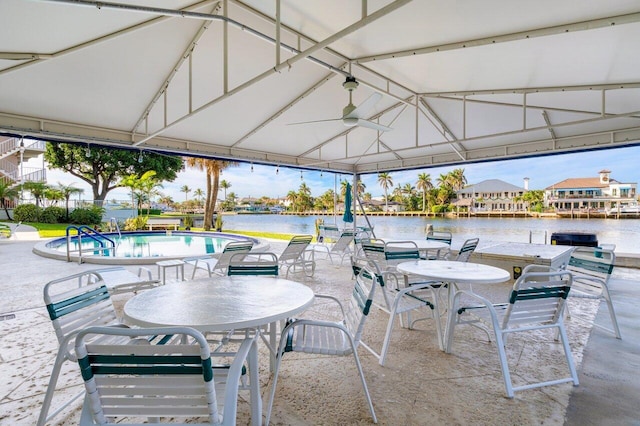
[(297, 245), (133, 380), (76, 302), (400, 251), (360, 304), (264, 263), (538, 298), (442, 236), (467, 249)]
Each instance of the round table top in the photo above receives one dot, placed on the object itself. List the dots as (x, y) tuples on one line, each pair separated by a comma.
[(459, 272), (219, 304)]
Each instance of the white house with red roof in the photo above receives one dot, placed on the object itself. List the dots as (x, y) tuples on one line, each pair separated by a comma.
[(597, 193)]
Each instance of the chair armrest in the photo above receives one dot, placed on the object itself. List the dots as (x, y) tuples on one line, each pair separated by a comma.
[(147, 270), (326, 296), (484, 301)]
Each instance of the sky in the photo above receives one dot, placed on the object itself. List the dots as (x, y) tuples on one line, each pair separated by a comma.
[(542, 172)]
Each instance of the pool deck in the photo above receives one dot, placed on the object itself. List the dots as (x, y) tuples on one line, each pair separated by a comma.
[(608, 373)]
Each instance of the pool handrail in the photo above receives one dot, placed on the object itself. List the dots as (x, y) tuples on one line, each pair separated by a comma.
[(83, 230)]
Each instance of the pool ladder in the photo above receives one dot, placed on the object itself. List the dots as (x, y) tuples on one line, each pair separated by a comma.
[(105, 244)]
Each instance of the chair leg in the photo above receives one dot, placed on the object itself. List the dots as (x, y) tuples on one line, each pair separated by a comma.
[(567, 353), (53, 381), (254, 392), (272, 393), (612, 313), (387, 337), (364, 383), (504, 365)]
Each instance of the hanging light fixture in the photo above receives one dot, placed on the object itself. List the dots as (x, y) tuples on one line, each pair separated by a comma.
[(140, 158), (277, 169), (251, 167), (301, 178), (87, 152), (320, 173)]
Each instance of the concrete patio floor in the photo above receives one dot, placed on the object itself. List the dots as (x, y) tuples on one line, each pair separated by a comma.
[(419, 385)]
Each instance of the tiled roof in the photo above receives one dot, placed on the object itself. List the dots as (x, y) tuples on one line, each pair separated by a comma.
[(590, 182)]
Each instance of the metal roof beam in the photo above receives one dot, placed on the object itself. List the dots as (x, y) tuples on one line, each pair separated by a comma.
[(288, 63), (529, 90), (502, 38)]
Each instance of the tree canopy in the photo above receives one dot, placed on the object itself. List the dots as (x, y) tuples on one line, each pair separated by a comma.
[(104, 168)]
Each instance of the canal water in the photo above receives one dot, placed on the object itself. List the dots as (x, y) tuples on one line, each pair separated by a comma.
[(624, 233)]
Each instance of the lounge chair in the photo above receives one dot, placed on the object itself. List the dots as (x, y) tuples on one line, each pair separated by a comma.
[(218, 263), (296, 258), (341, 248)]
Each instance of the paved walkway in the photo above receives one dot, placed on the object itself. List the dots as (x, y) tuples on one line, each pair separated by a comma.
[(406, 391)]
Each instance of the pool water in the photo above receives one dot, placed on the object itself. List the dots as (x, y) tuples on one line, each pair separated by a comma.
[(152, 244)]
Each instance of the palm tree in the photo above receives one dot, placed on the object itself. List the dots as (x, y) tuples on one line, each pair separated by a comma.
[(292, 197), (225, 185), (37, 190), (386, 182), (186, 191), (457, 179), (7, 193), (67, 191), (212, 168), (424, 184), (444, 181), (199, 193)]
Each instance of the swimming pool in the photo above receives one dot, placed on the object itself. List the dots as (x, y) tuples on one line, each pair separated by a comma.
[(144, 247)]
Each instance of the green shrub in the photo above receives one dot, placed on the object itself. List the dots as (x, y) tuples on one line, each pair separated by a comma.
[(52, 214), (135, 223), (188, 222), (439, 209), (27, 213), (87, 216)]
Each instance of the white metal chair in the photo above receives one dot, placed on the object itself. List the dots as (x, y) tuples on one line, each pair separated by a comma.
[(263, 263), (467, 250), (296, 258), (219, 263), (440, 236), (73, 302), (328, 337), (127, 380), (536, 302), (591, 268), (396, 301), (341, 248)]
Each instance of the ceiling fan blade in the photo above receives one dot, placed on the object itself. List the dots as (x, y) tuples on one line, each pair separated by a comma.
[(372, 125), (314, 121), (362, 109)]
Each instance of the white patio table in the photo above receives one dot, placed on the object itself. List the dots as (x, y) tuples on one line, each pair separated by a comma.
[(221, 304), (453, 272)]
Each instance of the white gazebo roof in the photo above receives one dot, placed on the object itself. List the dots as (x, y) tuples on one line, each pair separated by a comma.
[(461, 81)]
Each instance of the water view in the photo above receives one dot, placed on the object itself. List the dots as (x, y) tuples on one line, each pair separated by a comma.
[(625, 233)]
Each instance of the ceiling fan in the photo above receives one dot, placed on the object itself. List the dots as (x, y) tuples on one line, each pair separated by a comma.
[(351, 114)]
